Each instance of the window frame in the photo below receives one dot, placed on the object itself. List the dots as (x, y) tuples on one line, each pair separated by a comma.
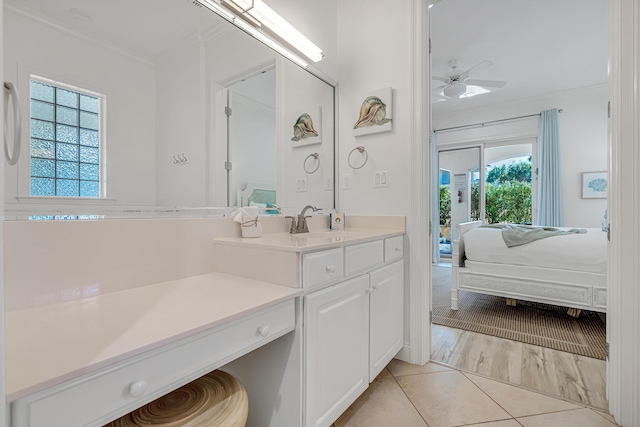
[(25, 184), (27, 73)]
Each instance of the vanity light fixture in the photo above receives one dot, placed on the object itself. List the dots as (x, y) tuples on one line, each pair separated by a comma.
[(241, 23), (267, 17)]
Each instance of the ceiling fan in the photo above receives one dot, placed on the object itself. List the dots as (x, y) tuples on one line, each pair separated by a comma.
[(456, 82)]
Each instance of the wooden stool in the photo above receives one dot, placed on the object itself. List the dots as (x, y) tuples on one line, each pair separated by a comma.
[(214, 400)]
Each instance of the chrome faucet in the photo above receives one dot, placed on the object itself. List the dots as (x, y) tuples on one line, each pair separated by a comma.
[(299, 224)]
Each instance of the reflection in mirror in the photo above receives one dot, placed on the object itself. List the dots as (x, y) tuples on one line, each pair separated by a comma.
[(252, 140), (194, 113)]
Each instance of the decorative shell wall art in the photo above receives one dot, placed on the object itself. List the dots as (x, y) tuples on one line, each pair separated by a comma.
[(598, 184), (303, 128), (374, 113), (594, 185), (307, 127)]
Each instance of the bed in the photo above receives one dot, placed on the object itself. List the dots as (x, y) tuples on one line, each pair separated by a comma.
[(260, 194), (568, 270)]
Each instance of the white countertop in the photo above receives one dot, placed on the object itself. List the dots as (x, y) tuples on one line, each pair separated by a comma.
[(48, 345), (314, 240)]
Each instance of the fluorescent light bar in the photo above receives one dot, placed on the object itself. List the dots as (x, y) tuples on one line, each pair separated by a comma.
[(269, 42), (258, 10), (252, 31)]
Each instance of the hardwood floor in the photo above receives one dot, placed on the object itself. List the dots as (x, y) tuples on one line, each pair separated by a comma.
[(555, 373)]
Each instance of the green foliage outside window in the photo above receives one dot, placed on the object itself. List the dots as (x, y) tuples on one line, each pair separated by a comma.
[(507, 202), (445, 205), (507, 196)]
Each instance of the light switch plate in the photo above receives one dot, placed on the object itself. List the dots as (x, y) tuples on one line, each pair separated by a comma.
[(346, 181), (301, 185), (381, 179)]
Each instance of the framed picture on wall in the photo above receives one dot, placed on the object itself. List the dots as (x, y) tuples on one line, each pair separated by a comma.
[(375, 112), (306, 127), (594, 185)]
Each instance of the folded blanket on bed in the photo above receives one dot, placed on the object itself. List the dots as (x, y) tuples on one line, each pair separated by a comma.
[(516, 235)]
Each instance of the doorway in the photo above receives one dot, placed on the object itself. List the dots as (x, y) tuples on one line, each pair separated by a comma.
[(494, 164), (251, 138)]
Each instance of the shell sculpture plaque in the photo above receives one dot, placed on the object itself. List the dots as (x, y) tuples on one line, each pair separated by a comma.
[(216, 399), (373, 112), (303, 128)]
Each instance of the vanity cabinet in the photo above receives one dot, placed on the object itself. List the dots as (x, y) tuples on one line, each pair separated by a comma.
[(352, 329), (337, 347), (386, 302), (352, 310)]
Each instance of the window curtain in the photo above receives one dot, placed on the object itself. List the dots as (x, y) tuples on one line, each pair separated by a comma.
[(435, 202), (549, 179)]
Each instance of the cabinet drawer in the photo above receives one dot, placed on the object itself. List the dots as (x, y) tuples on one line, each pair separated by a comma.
[(363, 257), (319, 268), (100, 397), (393, 248)]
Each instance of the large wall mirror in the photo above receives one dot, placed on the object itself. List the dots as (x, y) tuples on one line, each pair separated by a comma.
[(194, 113)]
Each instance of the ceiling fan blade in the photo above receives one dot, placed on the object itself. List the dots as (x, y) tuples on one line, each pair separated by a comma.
[(486, 83), (439, 88), (442, 79), (480, 66)]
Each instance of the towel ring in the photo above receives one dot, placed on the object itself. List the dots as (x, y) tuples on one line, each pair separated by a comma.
[(304, 164), (361, 149), (13, 156)]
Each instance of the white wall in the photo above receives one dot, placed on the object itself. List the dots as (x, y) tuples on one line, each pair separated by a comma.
[(317, 20), (583, 139), (128, 83), (371, 57), (3, 415)]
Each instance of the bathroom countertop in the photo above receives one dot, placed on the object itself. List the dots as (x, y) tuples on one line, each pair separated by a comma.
[(314, 240), (51, 344)]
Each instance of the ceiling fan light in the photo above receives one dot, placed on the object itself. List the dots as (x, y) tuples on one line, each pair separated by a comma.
[(454, 90)]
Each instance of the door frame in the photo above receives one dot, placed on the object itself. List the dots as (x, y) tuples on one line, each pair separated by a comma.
[(624, 204)]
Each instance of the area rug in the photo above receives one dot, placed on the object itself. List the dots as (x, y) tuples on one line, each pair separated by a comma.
[(544, 325)]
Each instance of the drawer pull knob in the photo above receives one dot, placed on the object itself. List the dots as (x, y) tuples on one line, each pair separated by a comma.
[(263, 330), (369, 290), (331, 268), (376, 287), (397, 249), (138, 388)]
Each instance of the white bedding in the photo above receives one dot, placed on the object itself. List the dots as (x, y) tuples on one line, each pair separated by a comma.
[(579, 252)]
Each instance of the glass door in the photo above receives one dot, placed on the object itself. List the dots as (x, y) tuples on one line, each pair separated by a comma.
[(510, 183), (458, 170), (503, 190)]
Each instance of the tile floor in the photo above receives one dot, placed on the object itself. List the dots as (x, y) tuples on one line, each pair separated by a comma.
[(435, 395)]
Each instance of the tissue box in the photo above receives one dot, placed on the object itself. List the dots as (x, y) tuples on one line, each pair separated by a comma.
[(336, 221)]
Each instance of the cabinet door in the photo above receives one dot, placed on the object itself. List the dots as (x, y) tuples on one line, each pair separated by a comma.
[(386, 314), (336, 322)]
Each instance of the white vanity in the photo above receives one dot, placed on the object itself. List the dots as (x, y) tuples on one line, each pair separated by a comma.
[(352, 321), (305, 322), (87, 362)]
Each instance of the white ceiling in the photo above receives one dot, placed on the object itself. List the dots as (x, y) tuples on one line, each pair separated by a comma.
[(146, 27), (537, 46)]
